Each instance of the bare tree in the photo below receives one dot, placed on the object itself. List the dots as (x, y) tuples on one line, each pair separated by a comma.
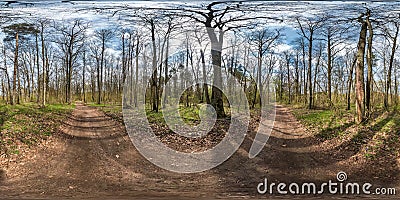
[(360, 106), (218, 18), (263, 39), (42, 25), (103, 36), (391, 37), (368, 90), (71, 43), (17, 32), (307, 31)]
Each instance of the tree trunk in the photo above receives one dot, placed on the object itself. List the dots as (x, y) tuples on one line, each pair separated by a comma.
[(165, 101), (259, 83), (396, 88), (216, 52), (304, 70), (14, 96), (350, 83), (360, 73), (137, 71), (3, 91), (316, 71), (288, 77), (205, 86), (368, 91), (43, 66), (38, 70), (296, 81), (19, 94), (103, 48), (124, 67), (154, 89), (83, 76), (389, 74), (98, 82), (329, 64), (310, 88)]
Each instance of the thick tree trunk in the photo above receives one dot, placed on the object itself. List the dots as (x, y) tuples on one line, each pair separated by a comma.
[(360, 107), (216, 52)]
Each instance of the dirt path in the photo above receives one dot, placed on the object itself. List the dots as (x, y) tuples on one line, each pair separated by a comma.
[(93, 157)]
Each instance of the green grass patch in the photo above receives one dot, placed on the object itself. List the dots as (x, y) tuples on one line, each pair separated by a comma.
[(316, 118), (28, 123), (155, 117), (326, 123)]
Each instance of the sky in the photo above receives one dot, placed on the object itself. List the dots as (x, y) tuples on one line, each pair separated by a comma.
[(68, 11), (57, 10)]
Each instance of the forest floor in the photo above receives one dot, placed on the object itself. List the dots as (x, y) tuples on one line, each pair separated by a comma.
[(91, 156)]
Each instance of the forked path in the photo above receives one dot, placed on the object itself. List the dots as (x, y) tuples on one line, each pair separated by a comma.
[(92, 156)]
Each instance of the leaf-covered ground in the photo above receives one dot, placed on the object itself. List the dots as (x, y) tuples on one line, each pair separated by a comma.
[(373, 144), (190, 115), (92, 157)]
